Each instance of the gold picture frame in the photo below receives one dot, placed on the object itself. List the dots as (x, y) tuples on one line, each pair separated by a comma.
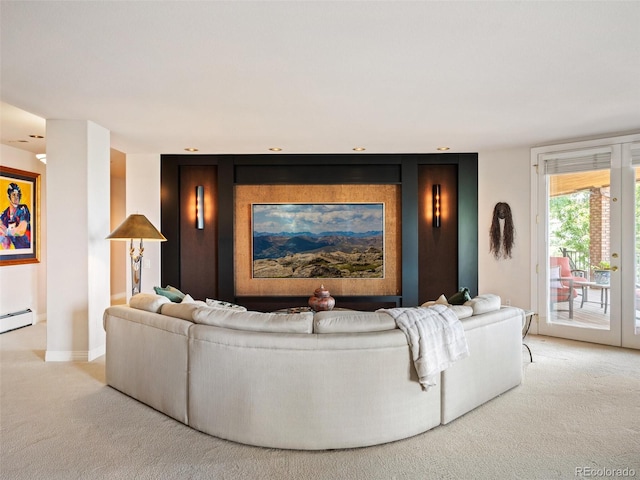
[(19, 217), (247, 195)]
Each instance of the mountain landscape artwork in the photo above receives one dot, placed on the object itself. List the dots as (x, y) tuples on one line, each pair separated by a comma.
[(318, 240)]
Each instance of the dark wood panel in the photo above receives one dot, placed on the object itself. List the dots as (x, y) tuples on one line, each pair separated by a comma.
[(438, 250), (198, 248), (323, 174)]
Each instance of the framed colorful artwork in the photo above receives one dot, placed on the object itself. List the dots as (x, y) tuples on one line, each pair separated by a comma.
[(318, 240), (19, 217)]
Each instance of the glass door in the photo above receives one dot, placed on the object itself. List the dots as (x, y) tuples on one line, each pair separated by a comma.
[(631, 235), (586, 240), (581, 245)]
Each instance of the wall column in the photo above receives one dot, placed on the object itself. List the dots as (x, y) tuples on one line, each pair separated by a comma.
[(78, 269)]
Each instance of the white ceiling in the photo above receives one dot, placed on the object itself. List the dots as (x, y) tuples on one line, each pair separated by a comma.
[(322, 76)]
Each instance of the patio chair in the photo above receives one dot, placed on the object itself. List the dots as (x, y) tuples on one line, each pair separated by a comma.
[(564, 282)]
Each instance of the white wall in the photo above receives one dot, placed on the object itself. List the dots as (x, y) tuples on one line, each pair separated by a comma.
[(143, 197), (25, 286), (504, 176)]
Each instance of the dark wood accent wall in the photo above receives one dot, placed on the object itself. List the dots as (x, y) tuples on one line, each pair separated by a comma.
[(438, 246), (432, 262), (198, 248)]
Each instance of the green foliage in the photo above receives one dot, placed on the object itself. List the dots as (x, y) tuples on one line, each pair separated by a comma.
[(569, 223), (601, 266)]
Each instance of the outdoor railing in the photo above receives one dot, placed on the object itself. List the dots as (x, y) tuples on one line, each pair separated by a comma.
[(578, 260)]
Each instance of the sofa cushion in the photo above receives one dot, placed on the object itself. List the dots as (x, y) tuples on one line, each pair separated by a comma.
[(148, 302), (182, 310), (255, 321), (462, 311), (484, 303), (336, 321)]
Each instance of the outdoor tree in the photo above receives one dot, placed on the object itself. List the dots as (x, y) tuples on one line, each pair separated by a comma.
[(569, 223)]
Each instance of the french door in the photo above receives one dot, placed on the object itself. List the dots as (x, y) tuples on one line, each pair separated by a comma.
[(586, 241)]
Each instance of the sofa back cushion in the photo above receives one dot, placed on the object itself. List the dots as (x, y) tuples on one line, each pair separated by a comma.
[(148, 302), (337, 321), (255, 321), (462, 311), (183, 310), (484, 303)]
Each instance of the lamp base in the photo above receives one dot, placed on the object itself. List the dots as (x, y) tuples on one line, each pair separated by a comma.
[(136, 275), (136, 269)]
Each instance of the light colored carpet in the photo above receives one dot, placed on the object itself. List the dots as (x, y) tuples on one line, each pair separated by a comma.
[(579, 407)]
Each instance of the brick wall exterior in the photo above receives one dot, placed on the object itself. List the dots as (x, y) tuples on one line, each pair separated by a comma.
[(599, 232)]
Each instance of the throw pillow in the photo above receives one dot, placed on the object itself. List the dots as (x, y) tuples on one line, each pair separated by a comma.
[(442, 300), (460, 297), (189, 299), (170, 292), (226, 305)]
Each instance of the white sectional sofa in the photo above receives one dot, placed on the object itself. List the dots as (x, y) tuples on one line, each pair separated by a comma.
[(336, 379)]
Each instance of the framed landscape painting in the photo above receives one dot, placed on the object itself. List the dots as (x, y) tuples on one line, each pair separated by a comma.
[(317, 240), (19, 216)]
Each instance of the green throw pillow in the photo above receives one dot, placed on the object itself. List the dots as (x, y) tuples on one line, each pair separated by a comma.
[(171, 293), (460, 297)]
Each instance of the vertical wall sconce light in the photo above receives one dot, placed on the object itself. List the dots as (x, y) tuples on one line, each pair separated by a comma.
[(200, 207), (436, 206)]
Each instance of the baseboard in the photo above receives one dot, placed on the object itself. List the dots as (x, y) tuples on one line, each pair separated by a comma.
[(97, 352), (65, 356)]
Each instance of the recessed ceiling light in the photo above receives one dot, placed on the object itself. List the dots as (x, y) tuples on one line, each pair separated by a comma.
[(191, 149), (275, 149), (359, 149), (36, 136), (18, 141), (443, 149)]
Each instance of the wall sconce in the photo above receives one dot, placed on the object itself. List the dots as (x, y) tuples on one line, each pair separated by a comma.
[(436, 205), (136, 226), (200, 207)]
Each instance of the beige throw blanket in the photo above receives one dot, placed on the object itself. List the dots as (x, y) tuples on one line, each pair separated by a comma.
[(435, 336)]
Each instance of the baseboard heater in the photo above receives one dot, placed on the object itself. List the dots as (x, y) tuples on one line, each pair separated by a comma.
[(11, 321)]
